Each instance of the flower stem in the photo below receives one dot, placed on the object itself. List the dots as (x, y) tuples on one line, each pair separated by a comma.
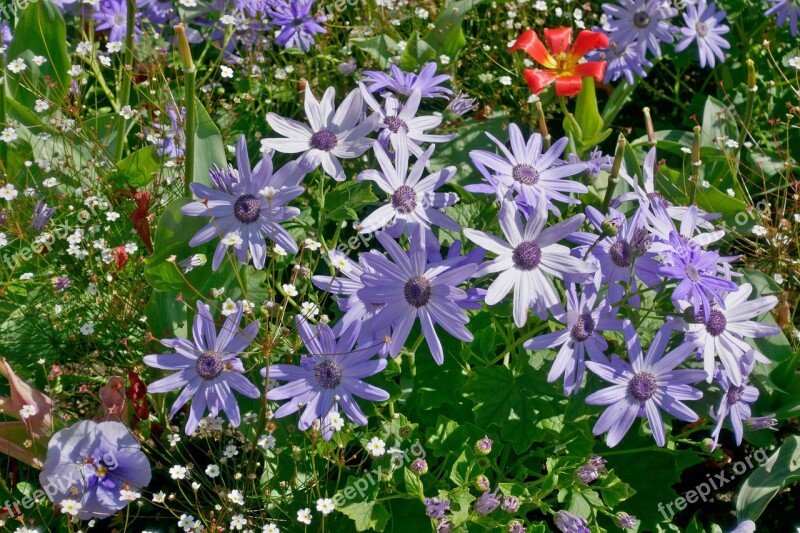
[(613, 178), (189, 75), (127, 78), (695, 165), (546, 138)]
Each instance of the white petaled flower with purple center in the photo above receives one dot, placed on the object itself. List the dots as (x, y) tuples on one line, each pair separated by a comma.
[(527, 259), (643, 386), (411, 287), (644, 22), (722, 334), (527, 171), (412, 198), (248, 204), (330, 135), (404, 83), (398, 122), (327, 378), (735, 401), (585, 317), (704, 26), (208, 367)]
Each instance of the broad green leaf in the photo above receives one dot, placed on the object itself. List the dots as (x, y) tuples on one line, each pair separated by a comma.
[(40, 31), (718, 123), (781, 469), (342, 202), (613, 489), (416, 53), (413, 484), (382, 48), (137, 169), (593, 130), (166, 315), (447, 36), (208, 146), (360, 506)]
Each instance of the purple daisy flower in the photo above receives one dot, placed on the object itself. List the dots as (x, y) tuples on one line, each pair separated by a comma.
[(527, 258), (412, 198), (488, 502), (461, 104), (644, 22), (207, 367), (567, 522), (171, 139), (327, 378), (704, 26), (528, 172), (723, 332), (404, 83), (398, 122), (112, 16), (735, 402), (643, 386), (91, 463), (785, 10), (246, 207), (628, 61), (585, 317), (297, 25), (332, 135), (411, 287), (41, 215)]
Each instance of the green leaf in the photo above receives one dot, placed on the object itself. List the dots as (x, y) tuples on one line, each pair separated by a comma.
[(717, 123), (382, 48), (344, 200), (166, 316), (413, 484), (40, 31), (416, 53), (138, 168), (781, 469), (613, 489), (592, 127), (367, 515), (208, 146), (447, 36)]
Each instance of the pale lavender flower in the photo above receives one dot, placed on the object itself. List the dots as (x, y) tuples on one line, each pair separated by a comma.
[(436, 508), (567, 522), (527, 259), (413, 288), (461, 104), (91, 463), (644, 22), (331, 134), (722, 334), (404, 83), (208, 367), (628, 61), (785, 10), (758, 423), (488, 502), (643, 386), (297, 25), (527, 171), (111, 16), (327, 378), (62, 283), (510, 504), (704, 26), (249, 204), (41, 215), (735, 402), (412, 199), (626, 521), (171, 138)]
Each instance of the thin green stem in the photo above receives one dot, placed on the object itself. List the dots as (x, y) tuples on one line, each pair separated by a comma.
[(126, 80), (191, 129), (696, 162)]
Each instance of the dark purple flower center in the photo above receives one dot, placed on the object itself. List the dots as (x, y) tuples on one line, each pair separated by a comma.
[(247, 209), (641, 19), (296, 23), (209, 365), (525, 174), (395, 123), (417, 291), (527, 255), (716, 322), (404, 199), (642, 386), (621, 254), (324, 140), (583, 328), (701, 28), (328, 374), (734, 395)]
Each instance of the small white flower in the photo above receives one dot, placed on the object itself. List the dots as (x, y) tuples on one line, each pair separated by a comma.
[(730, 143), (39, 60), (114, 46), (731, 193), (796, 217), (173, 439), (111, 216), (50, 183), (232, 239), (794, 62), (70, 507), (41, 106), (236, 497), (227, 20), (325, 506), (126, 112), (778, 278), (84, 48), (444, 59), (376, 447), (230, 451), (705, 184), (75, 71), (8, 135), (212, 471), (226, 72), (505, 80), (336, 421), (422, 13), (159, 497), (131, 248), (8, 191), (188, 3), (104, 60), (290, 290), (28, 410), (309, 309), (186, 521), (3, 240), (686, 150), (87, 329), (540, 5), (311, 244), (279, 250), (228, 307), (17, 66), (267, 442), (129, 495), (26, 275), (92, 288), (238, 522), (304, 516), (271, 528), (759, 231), (177, 472)]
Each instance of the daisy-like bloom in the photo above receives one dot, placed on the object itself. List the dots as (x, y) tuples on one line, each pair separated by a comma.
[(171, 140), (584, 318), (327, 378), (704, 26), (112, 16), (643, 386), (412, 198), (460, 105), (722, 333), (325, 506), (526, 259), (644, 22), (404, 83), (297, 25), (90, 463), (331, 134), (412, 287), (527, 171), (398, 122), (562, 64), (208, 368), (628, 61), (735, 402), (8, 135), (376, 447), (16, 66), (304, 516), (247, 203), (785, 10)]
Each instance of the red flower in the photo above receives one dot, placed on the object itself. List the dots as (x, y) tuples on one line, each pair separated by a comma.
[(563, 65)]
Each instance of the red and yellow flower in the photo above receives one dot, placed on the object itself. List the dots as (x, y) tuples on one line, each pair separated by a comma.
[(562, 64)]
